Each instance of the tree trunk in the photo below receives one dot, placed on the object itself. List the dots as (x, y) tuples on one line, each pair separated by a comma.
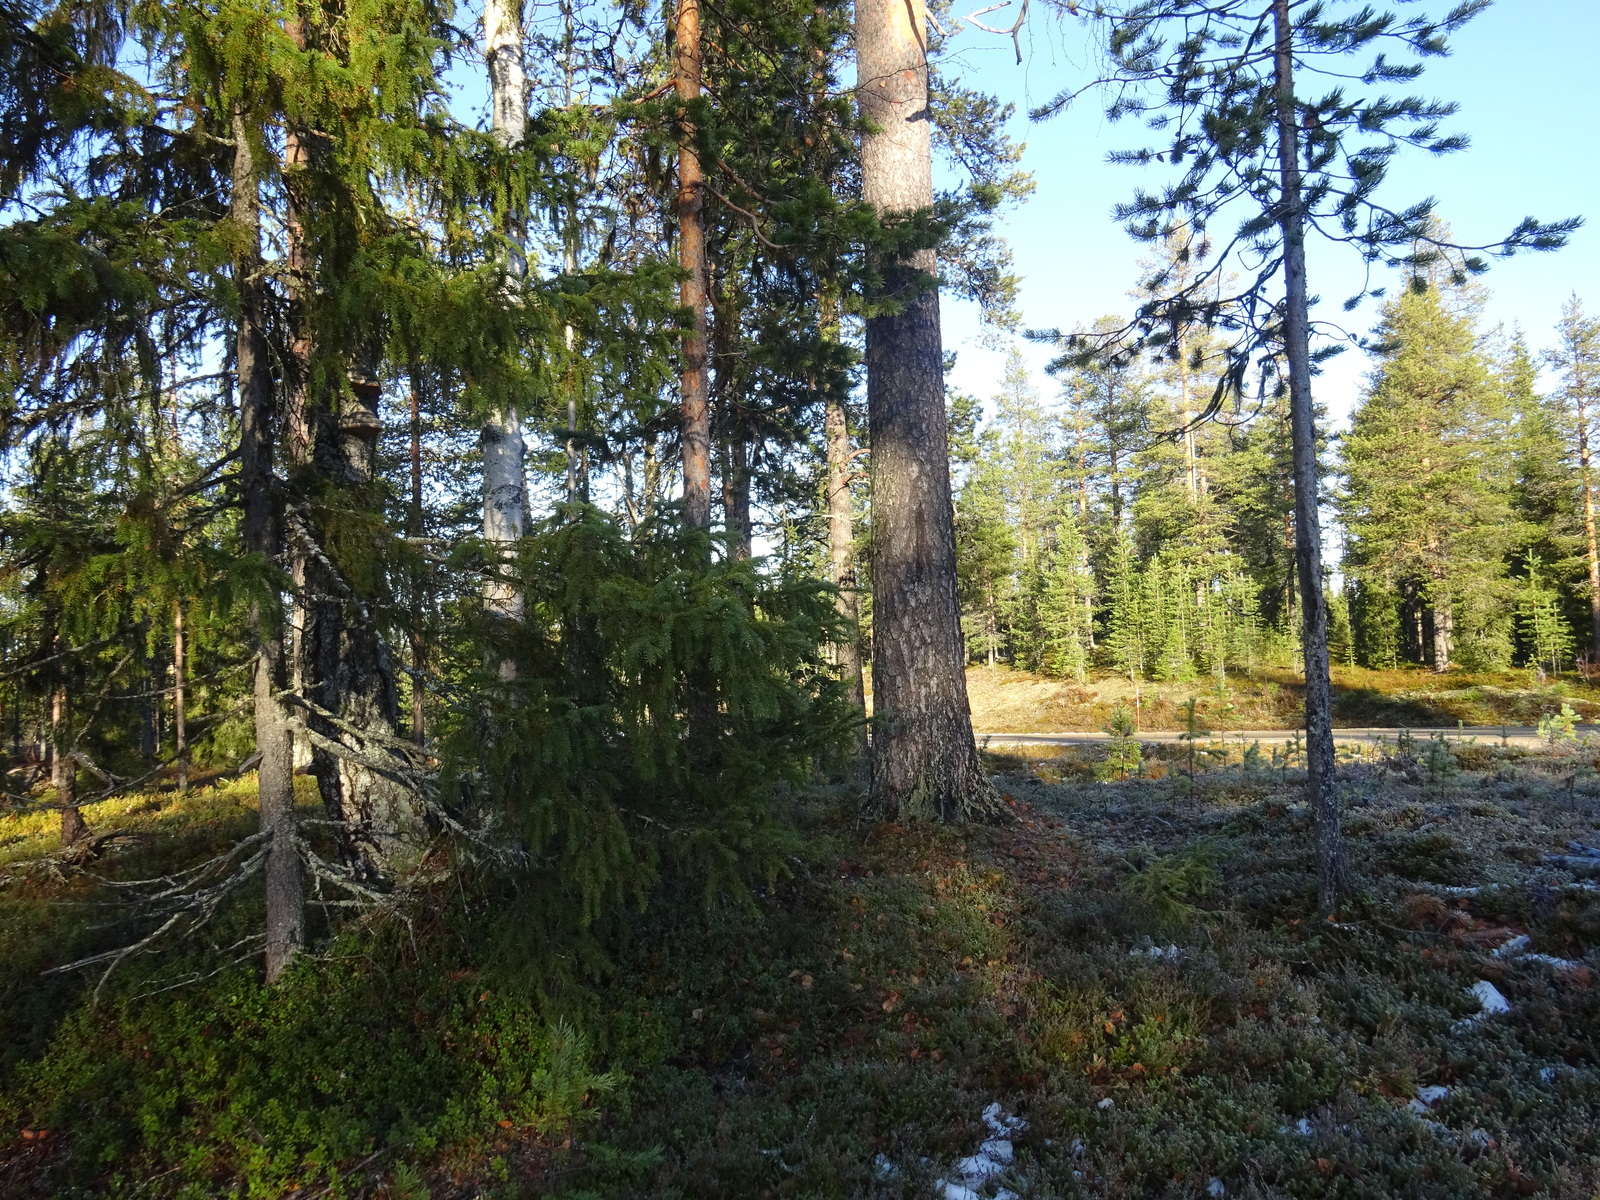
[(1444, 624), (841, 557), (261, 536), (736, 501), (297, 370), (419, 648), (1586, 473), (1332, 871), (925, 763), (148, 745), (349, 677), (179, 724), (695, 383), (64, 771), (505, 487), (1191, 474)]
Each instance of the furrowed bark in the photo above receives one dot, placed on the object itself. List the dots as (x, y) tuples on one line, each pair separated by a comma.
[(925, 763), (262, 536), (1322, 786), (348, 671), (695, 379)]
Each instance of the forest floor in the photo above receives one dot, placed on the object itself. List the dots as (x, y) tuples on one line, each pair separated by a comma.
[(1132, 972), (1011, 701)]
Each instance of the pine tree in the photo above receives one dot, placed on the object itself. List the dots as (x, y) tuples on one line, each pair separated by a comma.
[(1223, 77), (925, 761)]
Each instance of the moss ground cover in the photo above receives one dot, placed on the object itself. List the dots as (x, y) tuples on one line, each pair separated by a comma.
[(1133, 968)]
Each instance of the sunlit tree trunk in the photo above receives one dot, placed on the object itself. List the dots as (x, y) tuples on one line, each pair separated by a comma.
[(63, 770), (179, 723), (695, 380), (504, 456), (419, 648), (1332, 872), (1586, 476), (925, 764), (261, 536)]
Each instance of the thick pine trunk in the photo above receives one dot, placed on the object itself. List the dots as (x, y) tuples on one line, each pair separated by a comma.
[(695, 379), (1444, 625), (841, 558), (505, 488), (261, 535), (1332, 871), (925, 764)]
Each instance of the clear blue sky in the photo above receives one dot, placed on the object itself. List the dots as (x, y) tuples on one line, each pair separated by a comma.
[(1525, 74)]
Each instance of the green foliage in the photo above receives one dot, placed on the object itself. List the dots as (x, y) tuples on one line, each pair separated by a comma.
[(1124, 754), (1426, 499), (1544, 627), (1431, 857), (1193, 730), (290, 1086), (1559, 726), (660, 700), (1440, 759), (1165, 886)]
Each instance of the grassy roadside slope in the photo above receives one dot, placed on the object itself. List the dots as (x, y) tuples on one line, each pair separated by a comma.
[(1009, 701)]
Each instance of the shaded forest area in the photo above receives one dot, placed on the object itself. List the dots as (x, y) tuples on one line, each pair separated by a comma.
[(495, 596)]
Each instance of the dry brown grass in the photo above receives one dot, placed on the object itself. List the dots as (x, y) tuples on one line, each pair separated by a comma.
[(1010, 701)]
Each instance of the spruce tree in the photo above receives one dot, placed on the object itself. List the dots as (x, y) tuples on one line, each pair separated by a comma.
[(1577, 359), (1425, 505)]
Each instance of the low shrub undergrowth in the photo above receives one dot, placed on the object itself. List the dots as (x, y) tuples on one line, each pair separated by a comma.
[(1135, 968)]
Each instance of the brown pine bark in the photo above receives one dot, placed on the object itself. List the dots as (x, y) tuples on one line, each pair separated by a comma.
[(925, 763), (262, 536), (695, 379), (1322, 786)]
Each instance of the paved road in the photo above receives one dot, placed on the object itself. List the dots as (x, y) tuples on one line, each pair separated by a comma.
[(1512, 735)]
